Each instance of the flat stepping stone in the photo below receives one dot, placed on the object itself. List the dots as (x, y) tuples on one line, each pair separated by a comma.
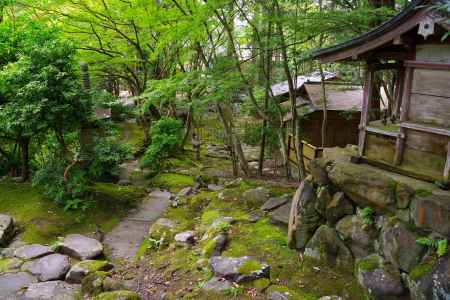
[(124, 240), (11, 283), (6, 229), (217, 284), (274, 203), (239, 269), (50, 267), (280, 216), (51, 290), (81, 247), (28, 252)]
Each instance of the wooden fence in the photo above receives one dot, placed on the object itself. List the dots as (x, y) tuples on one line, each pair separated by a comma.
[(310, 152)]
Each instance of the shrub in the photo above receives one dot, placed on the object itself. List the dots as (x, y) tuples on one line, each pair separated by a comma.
[(166, 135)]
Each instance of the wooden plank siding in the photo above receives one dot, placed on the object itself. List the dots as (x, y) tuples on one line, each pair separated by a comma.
[(310, 152)]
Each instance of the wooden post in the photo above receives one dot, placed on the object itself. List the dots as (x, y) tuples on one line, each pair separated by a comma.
[(447, 165), (400, 84), (406, 100), (367, 94)]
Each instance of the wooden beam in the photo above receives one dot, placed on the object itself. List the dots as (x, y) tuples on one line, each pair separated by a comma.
[(399, 88), (355, 51), (385, 132), (367, 94), (427, 65), (447, 165), (424, 128), (400, 142)]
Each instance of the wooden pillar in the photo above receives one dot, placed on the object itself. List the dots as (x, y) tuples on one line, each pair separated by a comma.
[(400, 143), (367, 95), (447, 165), (400, 84)]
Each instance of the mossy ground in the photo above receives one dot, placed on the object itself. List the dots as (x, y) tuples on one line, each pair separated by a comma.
[(132, 135), (42, 221), (262, 240)]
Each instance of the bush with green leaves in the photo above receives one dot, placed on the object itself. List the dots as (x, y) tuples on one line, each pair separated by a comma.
[(166, 137)]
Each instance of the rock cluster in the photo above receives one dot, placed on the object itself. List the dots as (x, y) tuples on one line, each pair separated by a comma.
[(38, 272), (355, 215)]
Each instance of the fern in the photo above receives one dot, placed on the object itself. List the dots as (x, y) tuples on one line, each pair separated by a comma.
[(442, 247), (425, 241), (366, 215)]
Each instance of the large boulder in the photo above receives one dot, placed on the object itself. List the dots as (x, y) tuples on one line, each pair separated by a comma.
[(303, 217), (33, 251), (6, 229), (326, 246), (50, 267), (318, 170), (239, 269), (83, 268), (380, 281), (52, 290), (430, 279), (359, 238), (365, 186), (81, 247), (432, 213), (400, 247), (324, 197), (339, 207), (256, 197)]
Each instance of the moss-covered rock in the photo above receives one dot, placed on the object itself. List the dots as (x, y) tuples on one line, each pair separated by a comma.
[(162, 231), (327, 247), (92, 284), (358, 237), (380, 281), (118, 295), (10, 265), (83, 268), (366, 187)]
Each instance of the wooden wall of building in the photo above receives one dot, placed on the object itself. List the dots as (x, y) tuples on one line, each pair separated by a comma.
[(341, 129)]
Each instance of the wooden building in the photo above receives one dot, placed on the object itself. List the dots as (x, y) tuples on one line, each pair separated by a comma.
[(415, 138), (343, 114)]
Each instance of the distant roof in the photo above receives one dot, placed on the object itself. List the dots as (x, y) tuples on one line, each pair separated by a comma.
[(338, 99), (282, 88), (401, 23)]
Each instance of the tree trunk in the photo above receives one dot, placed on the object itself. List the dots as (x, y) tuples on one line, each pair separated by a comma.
[(284, 152), (24, 144), (292, 96), (188, 126), (324, 107)]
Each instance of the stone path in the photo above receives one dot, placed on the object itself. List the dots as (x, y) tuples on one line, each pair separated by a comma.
[(124, 240)]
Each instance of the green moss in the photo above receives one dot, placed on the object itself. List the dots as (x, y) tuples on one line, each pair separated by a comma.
[(173, 182), (368, 264), (423, 193), (249, 266), (129, 195), (260, 284), (209, 216), (42, 221), (92, 284), (93, 265), (422, 269), (6, 264), (208, 248), (133, 135), (118, 295)]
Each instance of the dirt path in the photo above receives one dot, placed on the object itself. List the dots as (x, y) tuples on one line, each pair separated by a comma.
[(124, 240)]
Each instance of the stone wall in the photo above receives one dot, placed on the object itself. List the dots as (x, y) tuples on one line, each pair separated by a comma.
[(355, 215)]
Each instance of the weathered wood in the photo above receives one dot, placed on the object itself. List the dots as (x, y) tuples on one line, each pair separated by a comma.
[(367, 94), (427, 65), (384, 132), (432, 82), (430, 110), (380, 147), (427, 142), (447, 164), (424, 128), (437, 53), (353, 52), (399, 88), (400, 143)]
